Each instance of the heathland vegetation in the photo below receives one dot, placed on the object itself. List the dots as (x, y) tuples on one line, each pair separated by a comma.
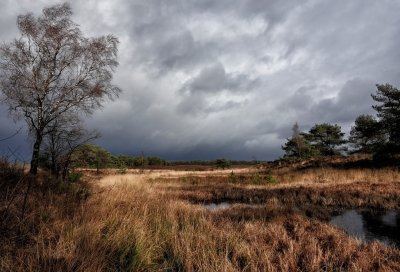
[(154, 220), (68, 212)]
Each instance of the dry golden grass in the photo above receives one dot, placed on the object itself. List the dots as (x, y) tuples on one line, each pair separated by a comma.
[(150, 222), (329, 176)]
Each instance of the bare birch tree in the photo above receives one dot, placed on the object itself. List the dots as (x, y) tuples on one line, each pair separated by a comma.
[(53, 70)]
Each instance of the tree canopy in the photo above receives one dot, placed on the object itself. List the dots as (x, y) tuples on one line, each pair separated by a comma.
[(52, 70), (366, 135), (388, 110), (321, 140), (298, 146), (327, 139)]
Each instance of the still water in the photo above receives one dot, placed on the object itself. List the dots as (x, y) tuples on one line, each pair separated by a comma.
[(216, 206), (368, 225), (365, 225), (221, 205)]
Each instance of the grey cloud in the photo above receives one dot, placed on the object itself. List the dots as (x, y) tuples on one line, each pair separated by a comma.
[(165, 42), (351, 32), (353, 100), (207, 79), (191, 104), (305, 108), (180, 51), (196, 104), (167, 53), (211, 81), (301, 100), (228, 148), (214, 79), (273, 12)]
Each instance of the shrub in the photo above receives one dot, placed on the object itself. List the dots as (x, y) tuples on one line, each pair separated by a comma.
[(256, 178), (10, 172), (123, 169), (270, 180), (74, 177), (222, 163), (233, 178)]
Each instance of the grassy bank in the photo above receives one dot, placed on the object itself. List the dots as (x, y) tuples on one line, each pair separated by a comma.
[(147, 222)]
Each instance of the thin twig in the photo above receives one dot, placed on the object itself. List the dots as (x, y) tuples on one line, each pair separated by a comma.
[(12, 135)]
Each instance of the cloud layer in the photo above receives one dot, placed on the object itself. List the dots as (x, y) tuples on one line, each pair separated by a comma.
[(209, 79)]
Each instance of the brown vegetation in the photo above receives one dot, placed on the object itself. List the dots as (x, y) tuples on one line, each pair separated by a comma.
[(375, 194), (151, 222), (188, 167)]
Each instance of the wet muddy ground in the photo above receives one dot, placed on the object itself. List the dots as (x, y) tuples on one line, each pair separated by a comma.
[(365, 210), (364, 225), (358, 195)]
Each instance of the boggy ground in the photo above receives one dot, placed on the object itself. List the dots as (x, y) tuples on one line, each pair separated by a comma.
[(357, 195), (154, 221)]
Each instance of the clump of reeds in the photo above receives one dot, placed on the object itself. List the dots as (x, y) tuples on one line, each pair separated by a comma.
[(335, 175), (150, 226), (344, 195), (29, 206)]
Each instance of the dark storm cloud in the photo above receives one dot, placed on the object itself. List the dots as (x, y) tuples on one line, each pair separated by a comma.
[(196, 103), (211, 81), (353, 100), (301, 100), (13, 138), (174, 51), (208, 79)]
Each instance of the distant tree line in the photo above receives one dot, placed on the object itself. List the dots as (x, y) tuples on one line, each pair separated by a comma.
[(215, 162), (95, 157), (378, 135)]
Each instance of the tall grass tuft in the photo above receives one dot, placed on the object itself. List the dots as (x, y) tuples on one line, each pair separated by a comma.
[(129, 224)]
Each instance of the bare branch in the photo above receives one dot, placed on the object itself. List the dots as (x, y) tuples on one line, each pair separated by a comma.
[(11, 135), (52, 70)]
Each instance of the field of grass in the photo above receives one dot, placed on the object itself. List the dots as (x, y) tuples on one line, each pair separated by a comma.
[(155, 220)]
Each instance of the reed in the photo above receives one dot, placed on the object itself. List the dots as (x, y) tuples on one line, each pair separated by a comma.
[(138, 222)]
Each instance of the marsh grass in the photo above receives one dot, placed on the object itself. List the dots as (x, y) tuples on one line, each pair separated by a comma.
[(136, 222), (335, 175)]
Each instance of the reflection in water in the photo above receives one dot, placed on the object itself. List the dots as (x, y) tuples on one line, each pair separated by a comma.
[(225, 204), (216, 206), (364, 225), (368, 225)]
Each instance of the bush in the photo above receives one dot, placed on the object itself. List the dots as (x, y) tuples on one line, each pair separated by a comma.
[(256, 178), (74, 177), (233, 178), (10, 172), (270, 180), (222, 163), (123, 169)]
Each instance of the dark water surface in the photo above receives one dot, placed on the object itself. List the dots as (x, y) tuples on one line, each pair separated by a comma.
[(368, 225), (365, 225)]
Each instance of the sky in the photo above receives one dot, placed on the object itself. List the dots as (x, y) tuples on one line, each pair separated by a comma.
[(211, 79)]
